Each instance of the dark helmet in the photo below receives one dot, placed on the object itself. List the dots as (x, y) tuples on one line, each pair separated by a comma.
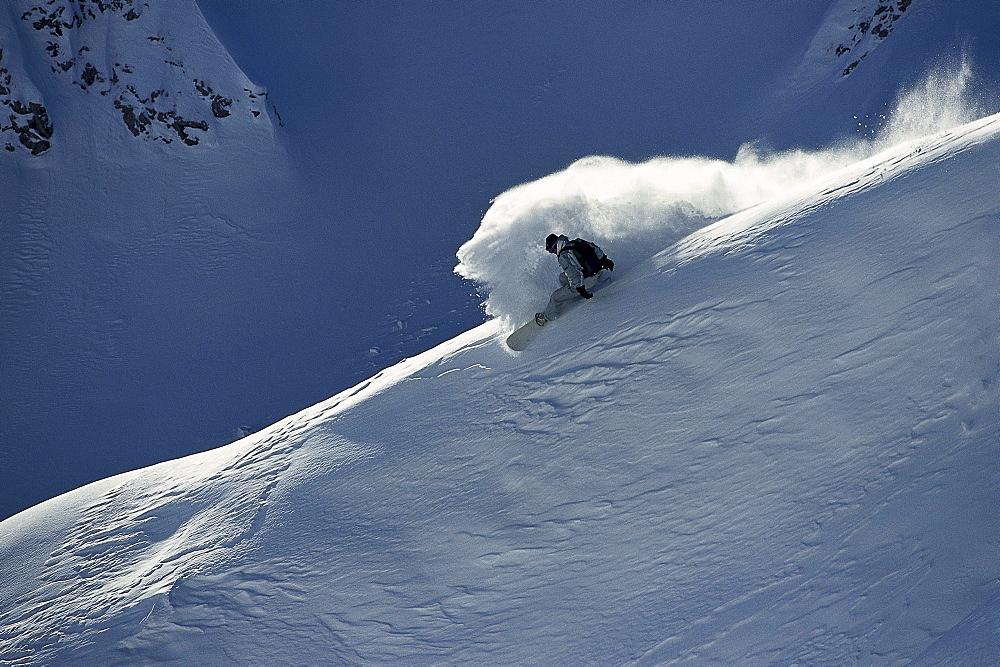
[(550, 242)]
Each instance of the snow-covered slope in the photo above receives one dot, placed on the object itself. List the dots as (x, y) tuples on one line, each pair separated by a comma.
[(143, 193), (775, 440), (154, 70), (863, 53), (159, 297)]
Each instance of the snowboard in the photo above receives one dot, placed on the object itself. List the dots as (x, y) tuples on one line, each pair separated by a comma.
[(523, 336)]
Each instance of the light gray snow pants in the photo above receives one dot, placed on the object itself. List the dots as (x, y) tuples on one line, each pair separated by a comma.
[(565, 297)]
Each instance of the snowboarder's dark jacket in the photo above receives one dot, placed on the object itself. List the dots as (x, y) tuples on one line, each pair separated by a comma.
[(579, 260)]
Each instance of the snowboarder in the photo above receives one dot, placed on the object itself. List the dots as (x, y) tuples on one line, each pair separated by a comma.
[(583, 265)]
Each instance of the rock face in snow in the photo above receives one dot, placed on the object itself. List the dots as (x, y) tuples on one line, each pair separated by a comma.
[(870, 26), (865, 54), (774, 441), (137, 157), (28, 120), (125, 56), (850, 32)]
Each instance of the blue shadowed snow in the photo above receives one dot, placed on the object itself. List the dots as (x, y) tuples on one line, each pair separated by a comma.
[(159, 302)]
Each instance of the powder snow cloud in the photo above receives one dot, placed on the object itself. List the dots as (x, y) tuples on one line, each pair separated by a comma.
[(633, 211)]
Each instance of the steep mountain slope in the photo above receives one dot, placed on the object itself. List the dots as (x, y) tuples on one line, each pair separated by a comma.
[(863, 53), (148, 67), (775, 440), (157, 250), (144, 195)]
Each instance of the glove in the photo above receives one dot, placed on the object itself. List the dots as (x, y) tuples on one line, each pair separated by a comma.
[(584, 293), (607, 264)]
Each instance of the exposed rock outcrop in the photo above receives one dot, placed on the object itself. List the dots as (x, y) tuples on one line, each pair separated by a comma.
[(109, 49), (872, 26)]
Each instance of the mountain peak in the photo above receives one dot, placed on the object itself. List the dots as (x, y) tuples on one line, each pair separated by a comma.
[(153, 72)]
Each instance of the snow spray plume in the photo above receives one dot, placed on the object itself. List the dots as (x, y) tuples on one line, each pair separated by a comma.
[(634, 211), (942, 100)]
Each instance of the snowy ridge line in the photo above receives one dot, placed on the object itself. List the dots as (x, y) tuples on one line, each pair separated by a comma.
[(409, 368), (174, 525), (143, 536), (148, 530)]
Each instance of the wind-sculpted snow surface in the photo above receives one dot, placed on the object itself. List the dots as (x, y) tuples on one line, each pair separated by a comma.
[(135, 537), (635, 210), (774, 442)]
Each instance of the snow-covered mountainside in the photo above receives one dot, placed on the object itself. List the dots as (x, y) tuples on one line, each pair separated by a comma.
[(143, 194), (772, 441), (864, 52), (851, 30), (172, 274), (132, 61)]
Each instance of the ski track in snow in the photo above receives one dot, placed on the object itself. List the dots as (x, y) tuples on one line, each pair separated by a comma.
[(775, 442)]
